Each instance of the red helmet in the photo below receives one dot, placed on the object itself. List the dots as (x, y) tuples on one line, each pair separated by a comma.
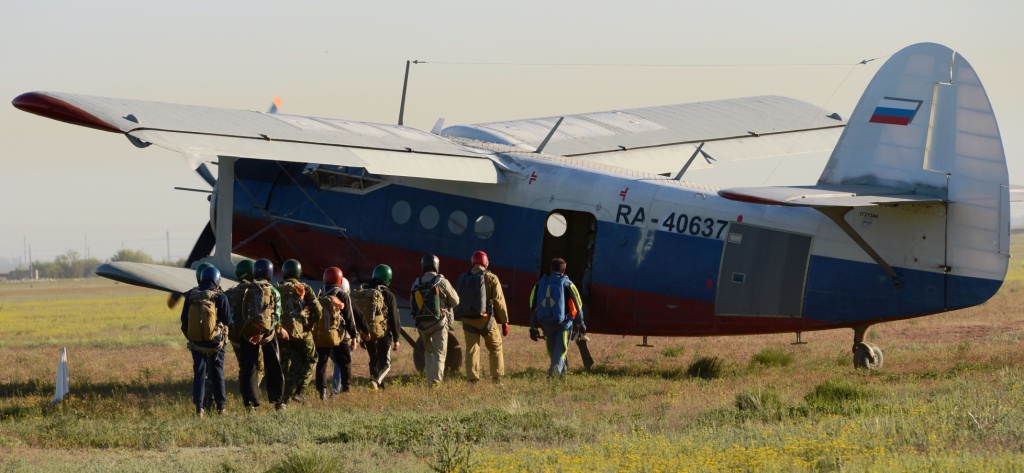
[(332, 276), (479, 258)]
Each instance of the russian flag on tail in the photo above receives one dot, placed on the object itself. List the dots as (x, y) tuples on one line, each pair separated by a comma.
[(894, 111)]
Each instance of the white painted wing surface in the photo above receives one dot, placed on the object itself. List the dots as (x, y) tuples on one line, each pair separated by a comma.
[(381, 149), (661, 139), (162, 278)]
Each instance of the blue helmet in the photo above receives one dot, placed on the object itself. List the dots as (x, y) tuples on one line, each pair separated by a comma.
[(211, 274), (262, 269)]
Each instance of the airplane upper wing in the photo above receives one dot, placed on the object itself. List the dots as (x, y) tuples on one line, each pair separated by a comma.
[(381, 149), (661, 139)]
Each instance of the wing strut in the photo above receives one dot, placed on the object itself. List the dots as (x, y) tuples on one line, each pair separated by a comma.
[(551, 133), (837, 215), (405, 84), (225, 212), (686, 166)]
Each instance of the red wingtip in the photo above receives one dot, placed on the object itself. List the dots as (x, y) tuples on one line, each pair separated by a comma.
[(56, 109)]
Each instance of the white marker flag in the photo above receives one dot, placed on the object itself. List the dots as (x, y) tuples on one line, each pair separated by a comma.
[(62, 377)]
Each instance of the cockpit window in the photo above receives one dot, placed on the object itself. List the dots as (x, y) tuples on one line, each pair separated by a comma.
[(342, 178)]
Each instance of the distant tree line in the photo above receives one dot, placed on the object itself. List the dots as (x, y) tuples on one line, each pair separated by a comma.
[(72, 265)]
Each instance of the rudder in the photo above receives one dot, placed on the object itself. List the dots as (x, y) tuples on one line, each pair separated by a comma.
[(925, 126)]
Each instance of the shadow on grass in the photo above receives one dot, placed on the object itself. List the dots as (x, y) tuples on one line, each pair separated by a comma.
[(667, 372), (88, 389)]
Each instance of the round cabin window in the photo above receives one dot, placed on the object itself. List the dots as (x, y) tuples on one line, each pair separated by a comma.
[(556, 224), (484, 227)]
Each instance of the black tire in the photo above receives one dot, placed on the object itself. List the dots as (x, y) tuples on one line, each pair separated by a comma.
[(867, 356)]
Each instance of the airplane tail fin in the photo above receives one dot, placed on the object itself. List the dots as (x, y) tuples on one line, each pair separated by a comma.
[(925, 126)]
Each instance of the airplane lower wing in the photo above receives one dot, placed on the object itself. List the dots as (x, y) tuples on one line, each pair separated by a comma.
[(827, 196), (381, 149), (154, 276), (660, 140)]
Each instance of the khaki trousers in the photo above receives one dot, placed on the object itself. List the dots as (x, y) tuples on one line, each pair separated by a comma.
[(435, 348), (493, 342)]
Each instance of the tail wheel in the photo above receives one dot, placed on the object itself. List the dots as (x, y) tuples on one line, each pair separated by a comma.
[(867, 356)]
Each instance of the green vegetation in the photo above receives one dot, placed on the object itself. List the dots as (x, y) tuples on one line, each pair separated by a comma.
[(948, 399), (705, 367), (71, 264), (773, 356)]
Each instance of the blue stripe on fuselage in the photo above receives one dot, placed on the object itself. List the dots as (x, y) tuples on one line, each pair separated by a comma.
[(627, 257)]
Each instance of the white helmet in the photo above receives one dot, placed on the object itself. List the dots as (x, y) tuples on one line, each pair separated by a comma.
[(345, 286)]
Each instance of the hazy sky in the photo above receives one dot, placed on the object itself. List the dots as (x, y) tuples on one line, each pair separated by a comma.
[(60, 184)]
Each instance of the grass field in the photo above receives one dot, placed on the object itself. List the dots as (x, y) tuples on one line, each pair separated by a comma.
[(949, 398)]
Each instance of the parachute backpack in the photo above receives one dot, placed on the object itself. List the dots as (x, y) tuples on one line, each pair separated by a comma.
[(370, 301), (427, 298), (328, 332), (472, 292), (236, 300), (202, 316), (257, 309), (294, 316), (551, 299)]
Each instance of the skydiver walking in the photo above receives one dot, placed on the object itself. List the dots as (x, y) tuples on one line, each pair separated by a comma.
[(339, 317), (484, 317), (243, 271), (432, 299), (300, 310), (204, 320), (555, 306), (379, 307), (261, 315)]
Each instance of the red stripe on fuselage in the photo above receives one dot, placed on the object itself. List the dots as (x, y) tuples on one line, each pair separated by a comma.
[(612, 310)]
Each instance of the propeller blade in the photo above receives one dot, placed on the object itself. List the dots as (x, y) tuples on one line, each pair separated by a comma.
[(206, 174), (203, 247), (196, 163)]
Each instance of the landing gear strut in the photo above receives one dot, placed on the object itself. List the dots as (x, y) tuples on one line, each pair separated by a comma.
[(865, 355)]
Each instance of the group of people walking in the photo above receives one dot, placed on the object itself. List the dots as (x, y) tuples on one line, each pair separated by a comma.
[(283, 333)]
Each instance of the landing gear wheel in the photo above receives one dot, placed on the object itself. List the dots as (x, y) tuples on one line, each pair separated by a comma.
[(867, 356)]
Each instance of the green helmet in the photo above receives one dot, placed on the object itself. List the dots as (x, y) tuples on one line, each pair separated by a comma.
[(291, 269), (199, 271), (243, 270), (383, 273)]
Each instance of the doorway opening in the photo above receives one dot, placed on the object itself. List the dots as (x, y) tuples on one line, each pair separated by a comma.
[(571, 235)]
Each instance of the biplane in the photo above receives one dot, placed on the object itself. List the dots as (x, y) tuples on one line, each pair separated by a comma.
[(909, 217)]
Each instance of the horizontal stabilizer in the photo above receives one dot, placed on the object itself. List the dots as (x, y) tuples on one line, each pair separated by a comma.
[(826, 196), (1016, 193), (154, 276)]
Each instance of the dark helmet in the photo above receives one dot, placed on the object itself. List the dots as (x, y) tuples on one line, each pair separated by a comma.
[(479, 258), (243, 270), (199, 271), (211, 274), (430, 263), (332, 276), (291, 269), (262, 269), (382, 273)]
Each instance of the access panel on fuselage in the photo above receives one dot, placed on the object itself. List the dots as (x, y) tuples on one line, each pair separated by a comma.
[(763, 272)]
